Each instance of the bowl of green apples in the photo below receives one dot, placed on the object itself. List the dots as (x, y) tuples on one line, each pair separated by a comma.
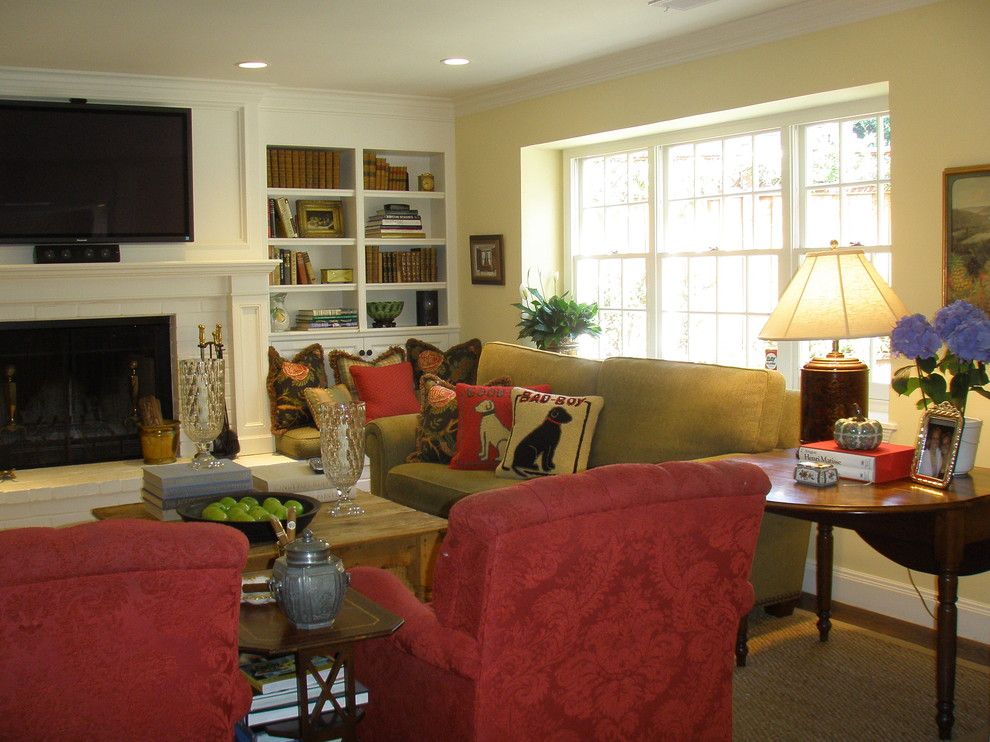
[(250, 512)]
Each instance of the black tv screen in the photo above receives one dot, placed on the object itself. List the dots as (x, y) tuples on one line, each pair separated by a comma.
[(94, 173)]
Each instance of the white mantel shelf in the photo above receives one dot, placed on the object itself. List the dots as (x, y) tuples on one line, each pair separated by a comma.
[(49, 271)]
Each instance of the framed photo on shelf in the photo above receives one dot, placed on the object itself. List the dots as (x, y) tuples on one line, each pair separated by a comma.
[(966, 236), (487, 259), (938, 443), (320, 218)]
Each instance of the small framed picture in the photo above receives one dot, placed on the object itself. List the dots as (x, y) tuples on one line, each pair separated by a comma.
[(966, 237), (487, 259), (938, 443), (320, 218)]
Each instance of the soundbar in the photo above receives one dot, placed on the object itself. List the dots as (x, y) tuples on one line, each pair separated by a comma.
[(98, 253)]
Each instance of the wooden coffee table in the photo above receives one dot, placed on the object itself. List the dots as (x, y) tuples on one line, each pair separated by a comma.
[(388, 535)]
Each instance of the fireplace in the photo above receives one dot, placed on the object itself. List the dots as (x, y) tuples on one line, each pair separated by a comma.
[(70, 388)]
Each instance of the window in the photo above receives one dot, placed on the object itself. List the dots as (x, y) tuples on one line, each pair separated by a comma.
[(686, 240)]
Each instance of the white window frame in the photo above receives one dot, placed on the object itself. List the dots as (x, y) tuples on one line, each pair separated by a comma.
[(789, 362)]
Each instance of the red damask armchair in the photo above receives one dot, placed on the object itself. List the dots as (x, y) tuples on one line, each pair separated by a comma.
[(121, 630), (593, 606)]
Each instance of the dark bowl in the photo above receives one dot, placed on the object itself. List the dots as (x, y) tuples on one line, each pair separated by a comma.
[(258, 532)]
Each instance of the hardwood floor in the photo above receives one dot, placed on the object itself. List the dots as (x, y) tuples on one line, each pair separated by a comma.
[(966, 649)]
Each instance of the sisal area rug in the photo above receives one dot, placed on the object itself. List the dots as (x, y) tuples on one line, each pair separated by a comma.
[(859, 685)]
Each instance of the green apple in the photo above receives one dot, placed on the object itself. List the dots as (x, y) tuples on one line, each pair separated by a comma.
[(211, 512), (248, 501), (296, 504), (228, 501)]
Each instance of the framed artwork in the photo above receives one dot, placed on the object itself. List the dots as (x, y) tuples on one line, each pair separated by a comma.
[(966, 238), (320, 218), (938, 443), (487, 259)]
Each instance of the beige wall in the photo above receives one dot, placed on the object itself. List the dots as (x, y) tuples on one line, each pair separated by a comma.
[(936, 60)]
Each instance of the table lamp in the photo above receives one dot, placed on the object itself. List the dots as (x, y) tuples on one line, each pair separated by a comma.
[(834, 294)]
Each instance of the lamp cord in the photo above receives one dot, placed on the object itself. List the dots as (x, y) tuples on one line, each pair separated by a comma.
[(924, 603)]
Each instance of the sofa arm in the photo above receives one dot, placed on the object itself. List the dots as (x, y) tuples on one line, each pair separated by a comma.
[(388, 442)]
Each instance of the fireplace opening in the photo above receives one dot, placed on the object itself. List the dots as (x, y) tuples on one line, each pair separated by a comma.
[(70, 388)]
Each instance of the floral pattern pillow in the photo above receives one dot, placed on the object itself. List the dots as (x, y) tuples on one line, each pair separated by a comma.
[(456, 365), (287, 380)]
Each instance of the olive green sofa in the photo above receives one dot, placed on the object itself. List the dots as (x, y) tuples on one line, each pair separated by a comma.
[(653, 411)]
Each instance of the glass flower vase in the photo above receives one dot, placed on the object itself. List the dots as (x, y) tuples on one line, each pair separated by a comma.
[(342, 451), (202, 406)]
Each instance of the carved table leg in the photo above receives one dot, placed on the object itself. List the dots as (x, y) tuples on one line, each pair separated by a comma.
[(823, 556), (945, 653), (742, 639)]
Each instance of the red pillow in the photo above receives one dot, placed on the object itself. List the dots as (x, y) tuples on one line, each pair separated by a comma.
[(385, 390), (483, 410)]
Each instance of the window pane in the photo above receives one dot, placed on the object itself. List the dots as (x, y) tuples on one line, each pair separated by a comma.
[(821, 217), (639, 176), (737, 223), (762, 285), (674, 333), (822, 153), (702, 284), (586, 281), (732, 340), (708, 164), (708, 224), (884, 236), (767, 157), (756, 356), (616, 179), (674, 284), (732, 284), (611, 337), (768, 222), (738, 165), (616, 228), (634, 334), (593, 181), (610, 284), (859, 215), (701, 341), (592, 231), (859, 150), (680, 171), (885, 148), (639, 228), (681, 236), (634, 283)]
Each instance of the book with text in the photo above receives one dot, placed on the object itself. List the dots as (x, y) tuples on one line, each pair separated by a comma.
[(886, 463)]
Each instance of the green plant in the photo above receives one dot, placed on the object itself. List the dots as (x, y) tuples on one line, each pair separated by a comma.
[(547, 322)]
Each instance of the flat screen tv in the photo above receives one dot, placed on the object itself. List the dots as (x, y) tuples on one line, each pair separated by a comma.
[(87, 173)]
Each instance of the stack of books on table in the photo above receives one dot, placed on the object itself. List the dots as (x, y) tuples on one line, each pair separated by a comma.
[(166, 487), (884, 464), (274, 683), (395, 220), (321, 319)]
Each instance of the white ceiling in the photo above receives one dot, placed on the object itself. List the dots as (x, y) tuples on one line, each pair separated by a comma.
[(396, 47)]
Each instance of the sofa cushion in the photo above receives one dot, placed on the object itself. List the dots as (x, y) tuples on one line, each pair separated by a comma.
[(286, 382), (551, 434), (299, 443), (385, 390), (316, 396), (434, 488), (483, 410), (436, 426), (341, 363), (528, 366), (665, 410), (456, 365)]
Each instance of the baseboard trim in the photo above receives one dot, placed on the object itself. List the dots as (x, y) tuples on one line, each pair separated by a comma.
[(899, 600)]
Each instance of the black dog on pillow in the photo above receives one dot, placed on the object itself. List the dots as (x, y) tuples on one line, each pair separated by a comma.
[(541, 444)]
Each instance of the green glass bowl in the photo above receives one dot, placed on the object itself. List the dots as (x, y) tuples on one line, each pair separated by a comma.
[(384, 311)]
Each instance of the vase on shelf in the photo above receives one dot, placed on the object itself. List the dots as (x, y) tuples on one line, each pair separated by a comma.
[(342, 451), (969, 439), (280, 315), (202, 406)]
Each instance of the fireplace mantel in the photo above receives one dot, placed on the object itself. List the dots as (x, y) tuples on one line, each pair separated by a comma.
[(233, 294)]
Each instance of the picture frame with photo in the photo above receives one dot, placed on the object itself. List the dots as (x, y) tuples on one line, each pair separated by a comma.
[(938, 443), (320, 218), (487, 259), (966, 235)]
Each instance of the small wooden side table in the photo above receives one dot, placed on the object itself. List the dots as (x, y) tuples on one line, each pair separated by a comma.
[(264, 629)]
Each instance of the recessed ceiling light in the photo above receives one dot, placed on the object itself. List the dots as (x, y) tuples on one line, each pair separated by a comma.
[(456, 61), (252, 65)]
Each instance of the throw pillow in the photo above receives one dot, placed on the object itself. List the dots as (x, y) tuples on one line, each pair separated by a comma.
[(341, 363), (319, 395), (385, 390), (436, 426), (286, 382), (551, 434), (456, 365), (484, 420)]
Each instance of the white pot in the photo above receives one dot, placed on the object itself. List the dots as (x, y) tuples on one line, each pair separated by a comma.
[(968, 442)]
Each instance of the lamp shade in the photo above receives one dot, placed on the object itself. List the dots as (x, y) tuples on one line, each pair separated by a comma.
[(834, 294)]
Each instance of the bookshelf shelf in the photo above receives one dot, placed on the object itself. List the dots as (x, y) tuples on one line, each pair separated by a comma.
[(316, 287)]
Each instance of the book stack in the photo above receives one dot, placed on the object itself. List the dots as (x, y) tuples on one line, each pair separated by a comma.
[(884, 464), (274, 682), (418, 264), (297, 268), (322, 319), (395, 221), (166, 487), (294, 167), (379, 175)]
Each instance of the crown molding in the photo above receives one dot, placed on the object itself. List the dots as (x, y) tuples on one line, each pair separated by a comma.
[(801, 18), (341, 102)]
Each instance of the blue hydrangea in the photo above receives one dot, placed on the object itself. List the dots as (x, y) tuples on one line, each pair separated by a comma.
[(914, 337), (971, 340), (950, 318)]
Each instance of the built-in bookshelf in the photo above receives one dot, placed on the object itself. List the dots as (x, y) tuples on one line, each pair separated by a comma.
[(349, 226)]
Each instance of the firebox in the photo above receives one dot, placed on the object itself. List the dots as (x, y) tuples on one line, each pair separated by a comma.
[(70, 388)]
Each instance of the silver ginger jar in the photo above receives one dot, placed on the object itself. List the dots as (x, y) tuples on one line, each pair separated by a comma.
[(309, 582)]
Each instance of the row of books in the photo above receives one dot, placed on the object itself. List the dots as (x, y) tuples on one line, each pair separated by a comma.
[(291, 167), (297, 268), (884, 464), (281, 222), (418, 264), (274, 682), (379, 175), (322, 319), (166, 487)]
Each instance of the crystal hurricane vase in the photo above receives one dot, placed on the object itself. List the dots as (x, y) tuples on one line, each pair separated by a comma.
[(342, 451), (202, 405)]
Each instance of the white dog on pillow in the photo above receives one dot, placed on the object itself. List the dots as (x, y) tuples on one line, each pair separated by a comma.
[(493, 433)]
